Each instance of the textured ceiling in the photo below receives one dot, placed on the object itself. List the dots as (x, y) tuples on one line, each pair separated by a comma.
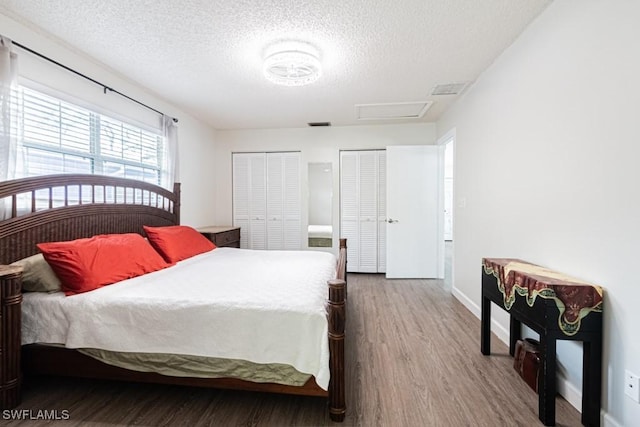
[(206, 55)]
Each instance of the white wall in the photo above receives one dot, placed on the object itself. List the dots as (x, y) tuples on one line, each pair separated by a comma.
[(547, 150), (196, 138), (316, 145)]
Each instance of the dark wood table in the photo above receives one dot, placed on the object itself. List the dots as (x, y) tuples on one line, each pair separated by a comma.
[(557, 307)]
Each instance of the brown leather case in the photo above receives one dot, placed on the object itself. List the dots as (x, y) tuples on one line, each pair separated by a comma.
[(526, 361)]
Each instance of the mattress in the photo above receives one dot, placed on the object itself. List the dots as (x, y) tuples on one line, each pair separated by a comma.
[(264, 307)]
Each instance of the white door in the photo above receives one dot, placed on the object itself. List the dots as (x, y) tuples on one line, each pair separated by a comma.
[(257, 202), (275, 197), (349, 207), (292, 211), (362, 209), (283, 201), (368, 212), (249, 198), (241, 196), (415, 233)]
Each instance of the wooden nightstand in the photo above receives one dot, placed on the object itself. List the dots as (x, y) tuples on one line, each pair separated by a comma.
[(222, 236)]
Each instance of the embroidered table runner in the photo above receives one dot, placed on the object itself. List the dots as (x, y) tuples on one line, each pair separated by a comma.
[(574, 298)]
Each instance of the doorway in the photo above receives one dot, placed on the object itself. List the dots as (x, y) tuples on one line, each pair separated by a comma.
[(448, 191), (447, 148), (447, 143)]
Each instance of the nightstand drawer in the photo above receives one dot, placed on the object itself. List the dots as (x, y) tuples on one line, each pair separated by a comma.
[(227, 238), (222, 236)]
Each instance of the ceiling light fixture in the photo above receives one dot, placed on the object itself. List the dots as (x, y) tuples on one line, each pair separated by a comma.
[(292, 65)]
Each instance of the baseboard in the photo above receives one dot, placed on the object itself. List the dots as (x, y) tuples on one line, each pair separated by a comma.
[(500, 331), (609, 421), (567, 390), (570, 393), (466, 301)]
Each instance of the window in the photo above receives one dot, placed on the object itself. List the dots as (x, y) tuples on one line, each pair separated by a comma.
[(60, 137)]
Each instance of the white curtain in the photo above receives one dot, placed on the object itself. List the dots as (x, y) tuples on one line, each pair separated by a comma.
[(8, 103), (8, 124), (171, 167)]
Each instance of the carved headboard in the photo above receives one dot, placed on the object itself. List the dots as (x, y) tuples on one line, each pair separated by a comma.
[(65, 207)]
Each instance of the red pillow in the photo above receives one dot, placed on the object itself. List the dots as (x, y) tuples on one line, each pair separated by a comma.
[(86, 264), (178, 242)]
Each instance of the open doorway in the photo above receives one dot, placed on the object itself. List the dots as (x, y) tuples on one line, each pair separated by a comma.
[(448, 191), (447, 144)]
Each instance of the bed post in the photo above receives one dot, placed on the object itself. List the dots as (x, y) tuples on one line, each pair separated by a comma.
[(10, 335), (337, 312), (337, 407), (176, 207), (342, 265)]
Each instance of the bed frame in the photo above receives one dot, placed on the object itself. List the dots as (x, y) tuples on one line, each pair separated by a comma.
[(65, 207)]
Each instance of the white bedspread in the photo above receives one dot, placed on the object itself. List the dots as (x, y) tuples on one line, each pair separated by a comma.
[(260, 306), (320, 231)]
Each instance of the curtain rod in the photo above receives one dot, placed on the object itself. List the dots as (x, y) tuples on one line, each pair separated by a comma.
[(105, 88)]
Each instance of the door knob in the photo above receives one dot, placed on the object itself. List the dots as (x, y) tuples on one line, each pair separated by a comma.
[(392, 221)]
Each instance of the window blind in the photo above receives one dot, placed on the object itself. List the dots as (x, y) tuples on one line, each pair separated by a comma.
[(59, 137)]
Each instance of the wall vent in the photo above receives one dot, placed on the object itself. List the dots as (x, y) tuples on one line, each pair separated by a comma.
[(319, 124)]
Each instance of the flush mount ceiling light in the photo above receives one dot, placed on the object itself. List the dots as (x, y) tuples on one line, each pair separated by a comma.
[(292, 65)]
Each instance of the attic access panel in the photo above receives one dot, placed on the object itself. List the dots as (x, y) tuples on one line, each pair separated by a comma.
[(391, 111)]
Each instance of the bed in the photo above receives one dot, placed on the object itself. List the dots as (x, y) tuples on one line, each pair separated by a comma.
[(320, 236), (66, 207)]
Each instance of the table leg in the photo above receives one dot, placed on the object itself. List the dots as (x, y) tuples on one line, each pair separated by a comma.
[(591, 381), (547, 387), (485, 321), (515, 333)]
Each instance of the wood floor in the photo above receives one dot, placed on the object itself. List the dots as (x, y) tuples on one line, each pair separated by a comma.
[(413, 359)]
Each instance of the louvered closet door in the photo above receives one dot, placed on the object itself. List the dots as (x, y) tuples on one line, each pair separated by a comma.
[(241, 185), (292, 203), (266, 200), (275, 201), (249, 199), (368, 211), (284, 213), (363, 209), (258, 202), (349, 207)]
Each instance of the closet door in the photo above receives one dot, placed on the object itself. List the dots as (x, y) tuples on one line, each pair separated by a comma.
[(368, 211), (241, 186), (249, 199), (275, 200), (362, 209), (266, 200), (349, 207), (283, 201), (292, 202)]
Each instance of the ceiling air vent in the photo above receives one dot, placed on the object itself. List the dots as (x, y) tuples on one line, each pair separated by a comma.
[(449, 89), (319, 124)]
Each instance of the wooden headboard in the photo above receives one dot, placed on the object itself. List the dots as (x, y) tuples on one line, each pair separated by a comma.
[(65, 207)]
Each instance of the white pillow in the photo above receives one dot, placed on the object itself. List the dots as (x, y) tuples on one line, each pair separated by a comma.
[(37, 275)]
